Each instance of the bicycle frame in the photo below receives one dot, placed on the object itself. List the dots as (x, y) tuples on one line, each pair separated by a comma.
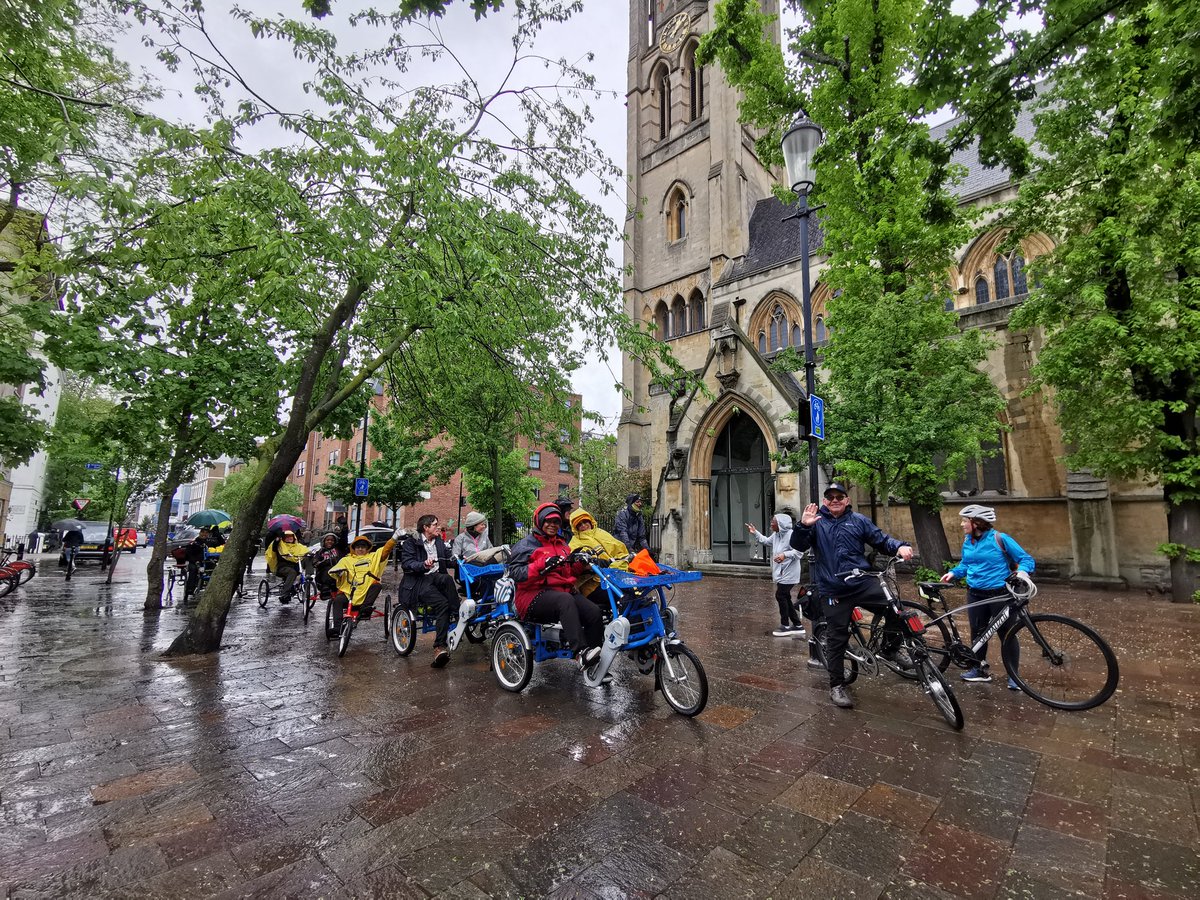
[(1015, 609)]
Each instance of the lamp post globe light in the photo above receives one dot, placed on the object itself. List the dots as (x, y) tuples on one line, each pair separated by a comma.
[(799, 146)]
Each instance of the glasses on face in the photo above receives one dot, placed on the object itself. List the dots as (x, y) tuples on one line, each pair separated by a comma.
[(836, 498)]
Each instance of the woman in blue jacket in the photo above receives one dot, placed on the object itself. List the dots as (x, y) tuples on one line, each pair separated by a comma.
[(987, 558)]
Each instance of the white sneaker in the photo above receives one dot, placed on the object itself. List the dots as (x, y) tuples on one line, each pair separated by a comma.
[(785, 631)]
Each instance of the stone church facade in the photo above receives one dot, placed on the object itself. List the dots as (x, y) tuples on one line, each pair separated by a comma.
[(714, 266)]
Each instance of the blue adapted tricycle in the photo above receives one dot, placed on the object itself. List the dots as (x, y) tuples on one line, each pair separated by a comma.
[(643, 625), (477, 615)]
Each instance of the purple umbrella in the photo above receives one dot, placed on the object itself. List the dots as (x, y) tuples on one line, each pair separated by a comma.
[(280, 524)]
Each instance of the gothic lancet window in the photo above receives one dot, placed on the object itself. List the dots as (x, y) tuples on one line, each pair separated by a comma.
[(1000, 271), (779, 328), (696, 311), (677, 215), (695, 75), (982, 292), (1020, 284), (663, 86)]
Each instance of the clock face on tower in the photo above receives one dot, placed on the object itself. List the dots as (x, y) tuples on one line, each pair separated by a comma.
[(673, 33)]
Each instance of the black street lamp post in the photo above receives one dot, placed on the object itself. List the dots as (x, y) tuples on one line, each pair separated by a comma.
[(799, 145)]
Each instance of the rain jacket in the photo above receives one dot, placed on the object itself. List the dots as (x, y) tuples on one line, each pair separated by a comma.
[(280, 550), (788, 571), (529, 558), (985, 565), (467, 545), (597, 540), (838, 544), (630, 527), (412, 562), (354, 574)]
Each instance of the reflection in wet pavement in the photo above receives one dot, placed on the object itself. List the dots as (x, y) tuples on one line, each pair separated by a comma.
[(276, 769)]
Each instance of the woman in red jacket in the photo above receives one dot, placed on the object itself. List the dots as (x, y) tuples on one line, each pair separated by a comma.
[(546, 586)]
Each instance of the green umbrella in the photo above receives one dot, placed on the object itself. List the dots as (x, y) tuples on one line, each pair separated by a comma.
[(209, 518)]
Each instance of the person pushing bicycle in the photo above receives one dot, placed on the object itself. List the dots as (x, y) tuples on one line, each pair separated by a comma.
[(837, 535)]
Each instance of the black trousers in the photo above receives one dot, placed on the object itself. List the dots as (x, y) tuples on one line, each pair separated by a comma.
[(438, 592), (981, 616), (579, 617), (868, 594), (787, 612)]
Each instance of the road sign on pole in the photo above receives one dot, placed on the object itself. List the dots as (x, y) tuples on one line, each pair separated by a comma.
[(80, 503), (362, 487), (93, 467), (816, 417)]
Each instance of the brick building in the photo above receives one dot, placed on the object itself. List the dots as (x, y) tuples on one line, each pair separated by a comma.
[(558, 475)]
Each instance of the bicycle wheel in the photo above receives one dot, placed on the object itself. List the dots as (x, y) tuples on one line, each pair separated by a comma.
[(940, 692), (849, 663), (309, 599), (512, 660), (683, 683), (1060, 662), (171, 577), (403, 630), (264, 593), (25, 574), (8, 583), (330, 631), (347, 630)]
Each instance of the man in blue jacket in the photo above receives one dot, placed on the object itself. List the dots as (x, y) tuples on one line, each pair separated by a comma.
[(837, 535)]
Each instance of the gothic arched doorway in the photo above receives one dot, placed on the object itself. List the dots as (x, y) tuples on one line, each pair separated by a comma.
[(741, 491)]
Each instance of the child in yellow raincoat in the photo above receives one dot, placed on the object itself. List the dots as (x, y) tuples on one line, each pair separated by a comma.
[(591, 537), (284, 555), (358, 577)]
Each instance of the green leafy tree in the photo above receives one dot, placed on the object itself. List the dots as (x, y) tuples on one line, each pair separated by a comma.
[(509, 481), (396, 477), (604, 485), (909, 404), (400, 217), (235, 489)]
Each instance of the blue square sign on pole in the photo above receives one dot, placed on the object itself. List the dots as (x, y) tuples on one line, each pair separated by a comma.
[(362, 487), (816, 417), (93, 467)]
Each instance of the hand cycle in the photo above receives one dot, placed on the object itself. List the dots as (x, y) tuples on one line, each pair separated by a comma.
[(1064, 664), (643, 625), (350, 619), (865, 648), (304, 587), (478, 613)]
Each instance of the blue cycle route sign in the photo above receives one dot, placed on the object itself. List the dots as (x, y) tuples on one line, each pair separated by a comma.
[(816, 417), (93, 467), (362, 487)]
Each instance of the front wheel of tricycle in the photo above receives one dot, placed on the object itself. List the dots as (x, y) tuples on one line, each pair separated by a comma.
[(512, 659), (403, 630), (331, 630), (347, 630), (681, 678)]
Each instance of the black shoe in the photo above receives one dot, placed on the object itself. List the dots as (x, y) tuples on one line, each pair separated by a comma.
[(841, 697), (898, 656), (814, 663)]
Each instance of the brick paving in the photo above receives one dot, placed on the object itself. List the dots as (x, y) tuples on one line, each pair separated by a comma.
[(274, 769)]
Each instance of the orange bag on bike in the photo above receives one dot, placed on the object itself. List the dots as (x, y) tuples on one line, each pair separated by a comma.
[(642, 564)]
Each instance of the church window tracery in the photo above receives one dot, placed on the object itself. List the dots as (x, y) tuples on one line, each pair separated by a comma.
[(677, 207)]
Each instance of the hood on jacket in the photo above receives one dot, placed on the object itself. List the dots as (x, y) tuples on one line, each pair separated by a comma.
[(544, 512), (784, 521), (632, 499), (582, 515)]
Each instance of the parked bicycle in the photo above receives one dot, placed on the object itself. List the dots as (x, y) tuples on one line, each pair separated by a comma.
[(1053, 658), (866, 650), (24, 569)]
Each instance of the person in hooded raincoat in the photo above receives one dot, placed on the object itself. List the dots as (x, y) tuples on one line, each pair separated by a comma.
[(323, 560), (284, 555), (630, 527), (359, 577), (591, 537), (785, 572)]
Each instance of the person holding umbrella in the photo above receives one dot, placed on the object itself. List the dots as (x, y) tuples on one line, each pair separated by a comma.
[(283, 561)]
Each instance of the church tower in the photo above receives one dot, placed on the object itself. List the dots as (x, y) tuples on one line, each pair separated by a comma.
[(694, 180)]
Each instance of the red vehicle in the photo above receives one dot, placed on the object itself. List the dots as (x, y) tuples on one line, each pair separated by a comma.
[(127, 539)]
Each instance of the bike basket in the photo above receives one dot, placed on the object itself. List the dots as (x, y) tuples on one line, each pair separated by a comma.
[(912, 621), (628, 580)]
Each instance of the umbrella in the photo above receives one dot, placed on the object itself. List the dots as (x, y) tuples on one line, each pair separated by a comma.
[(65, 525), (277, 525), (210, 517)]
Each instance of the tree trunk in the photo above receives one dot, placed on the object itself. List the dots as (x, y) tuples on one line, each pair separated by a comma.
[(1183, 527), (158, 554), (931, 537)]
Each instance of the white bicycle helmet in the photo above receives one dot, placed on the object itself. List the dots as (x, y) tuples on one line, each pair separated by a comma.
[(975, 511)]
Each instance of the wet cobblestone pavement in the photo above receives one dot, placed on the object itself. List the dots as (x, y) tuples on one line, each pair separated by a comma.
[(275, 769)]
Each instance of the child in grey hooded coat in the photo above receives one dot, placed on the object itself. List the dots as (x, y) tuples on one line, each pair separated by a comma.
[(785, 572)]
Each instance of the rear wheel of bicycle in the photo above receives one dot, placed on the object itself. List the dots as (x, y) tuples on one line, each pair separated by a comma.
[(849, 663), (511, 660), (387, 616), (403, 630), (684, 684), (8, 583), (1065, 664), (940, 692), (347, 630), (25, 573), (264, 593)]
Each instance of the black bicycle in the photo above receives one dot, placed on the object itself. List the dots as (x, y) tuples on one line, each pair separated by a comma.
[(866, 650), (1053, 658)]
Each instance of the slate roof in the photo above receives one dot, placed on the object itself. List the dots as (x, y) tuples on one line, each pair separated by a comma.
[(774, 242)]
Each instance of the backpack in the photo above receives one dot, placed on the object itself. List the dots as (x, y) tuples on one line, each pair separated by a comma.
[(1012, 563)]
